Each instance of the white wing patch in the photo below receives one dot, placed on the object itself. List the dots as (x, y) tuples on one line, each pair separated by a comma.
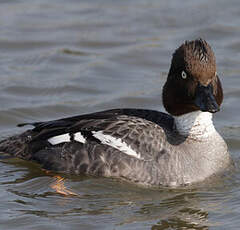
[(59, 139), (66, 138), (79, 137), (116, 143)]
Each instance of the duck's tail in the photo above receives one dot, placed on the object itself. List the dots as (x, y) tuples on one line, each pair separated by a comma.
[(21, 146), (15, 145)]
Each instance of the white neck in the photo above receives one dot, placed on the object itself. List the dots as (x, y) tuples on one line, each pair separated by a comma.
[(196, 125)]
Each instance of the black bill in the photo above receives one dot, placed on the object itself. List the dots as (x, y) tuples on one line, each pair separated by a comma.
[(205, 100)]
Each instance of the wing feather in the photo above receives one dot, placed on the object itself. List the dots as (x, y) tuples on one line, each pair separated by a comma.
[(144, 136)]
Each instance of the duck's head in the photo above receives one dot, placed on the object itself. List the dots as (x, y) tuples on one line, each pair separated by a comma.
[(192, 82)]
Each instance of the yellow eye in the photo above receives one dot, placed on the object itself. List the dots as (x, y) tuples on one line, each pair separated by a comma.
[(184, 75)]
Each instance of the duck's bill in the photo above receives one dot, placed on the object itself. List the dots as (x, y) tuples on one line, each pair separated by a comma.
[(205, 100)]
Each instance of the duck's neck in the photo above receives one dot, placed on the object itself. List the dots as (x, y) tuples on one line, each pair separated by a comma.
[(196, 125)]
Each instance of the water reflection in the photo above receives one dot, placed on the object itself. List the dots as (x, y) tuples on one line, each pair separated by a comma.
[(184, 216), (181, 211), (39, 193), (179, 223)]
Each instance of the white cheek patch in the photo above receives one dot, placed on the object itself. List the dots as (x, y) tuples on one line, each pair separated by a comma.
[(66, 138), (116, 143)]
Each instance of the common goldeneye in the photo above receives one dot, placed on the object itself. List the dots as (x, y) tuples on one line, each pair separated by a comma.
[(142, 146)]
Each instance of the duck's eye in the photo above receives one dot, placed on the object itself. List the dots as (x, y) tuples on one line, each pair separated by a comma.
[(184, 75)]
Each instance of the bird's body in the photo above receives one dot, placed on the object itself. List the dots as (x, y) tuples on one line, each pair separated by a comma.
[(141, 146)]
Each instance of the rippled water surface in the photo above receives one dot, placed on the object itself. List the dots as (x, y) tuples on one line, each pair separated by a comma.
[(60, 58)]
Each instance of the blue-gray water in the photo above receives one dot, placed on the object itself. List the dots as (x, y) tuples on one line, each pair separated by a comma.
[(61, 58)]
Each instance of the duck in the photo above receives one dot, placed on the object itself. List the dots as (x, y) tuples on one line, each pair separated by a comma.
[(141, 146)]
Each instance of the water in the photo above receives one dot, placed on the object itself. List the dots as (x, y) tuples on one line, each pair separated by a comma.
[(62, 58)]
